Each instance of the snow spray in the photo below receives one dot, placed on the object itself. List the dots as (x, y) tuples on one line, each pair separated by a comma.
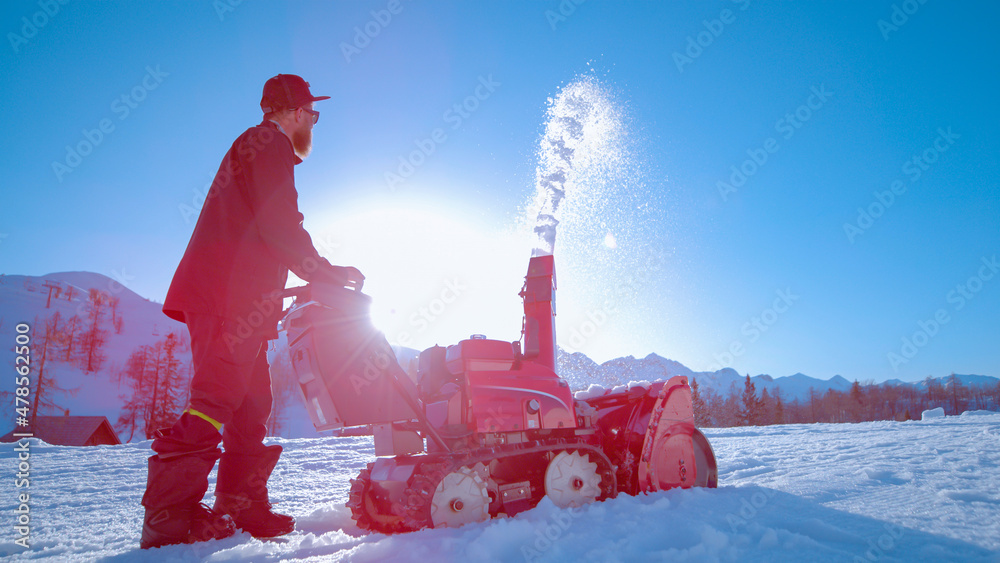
[(595, 182), (581, 136)]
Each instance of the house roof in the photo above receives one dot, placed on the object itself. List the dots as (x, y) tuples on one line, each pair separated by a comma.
[(71, 431)]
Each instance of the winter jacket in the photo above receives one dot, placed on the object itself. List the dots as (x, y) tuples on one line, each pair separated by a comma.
[(248, 236)]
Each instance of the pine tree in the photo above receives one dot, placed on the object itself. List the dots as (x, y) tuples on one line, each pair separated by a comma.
[(765, 408), (701, 418), (750, 411)]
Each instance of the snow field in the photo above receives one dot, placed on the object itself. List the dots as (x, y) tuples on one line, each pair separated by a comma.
[(879, 491)]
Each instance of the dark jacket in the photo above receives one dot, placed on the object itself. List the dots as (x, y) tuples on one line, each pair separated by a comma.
[(248, 236)]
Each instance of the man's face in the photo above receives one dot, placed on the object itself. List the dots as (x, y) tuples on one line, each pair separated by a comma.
[(302, 135)]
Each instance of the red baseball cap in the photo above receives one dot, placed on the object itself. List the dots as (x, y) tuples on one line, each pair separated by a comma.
[(286, 91)]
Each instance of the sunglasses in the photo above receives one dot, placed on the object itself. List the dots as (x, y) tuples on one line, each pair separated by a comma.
[(314, 113)]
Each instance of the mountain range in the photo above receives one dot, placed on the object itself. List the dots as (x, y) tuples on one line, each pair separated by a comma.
[(27, 298)]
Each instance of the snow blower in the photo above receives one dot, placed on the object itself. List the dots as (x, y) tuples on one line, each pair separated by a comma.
[(484, 427)]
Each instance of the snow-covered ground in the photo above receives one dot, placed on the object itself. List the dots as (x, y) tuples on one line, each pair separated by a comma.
[(878, 491)]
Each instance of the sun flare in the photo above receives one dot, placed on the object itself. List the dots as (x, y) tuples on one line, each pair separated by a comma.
[(435, 276)]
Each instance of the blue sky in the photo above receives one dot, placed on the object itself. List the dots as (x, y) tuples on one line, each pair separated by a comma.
[(762, 276)]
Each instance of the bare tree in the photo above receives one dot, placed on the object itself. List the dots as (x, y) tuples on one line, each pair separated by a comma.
[(70, 336), (157, 381), (779, 407), (766, 405), (46, 387), (95, 337), (116, 321), (133, 374)]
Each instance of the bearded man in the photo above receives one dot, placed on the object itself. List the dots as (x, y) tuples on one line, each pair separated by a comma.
[(226, 290)]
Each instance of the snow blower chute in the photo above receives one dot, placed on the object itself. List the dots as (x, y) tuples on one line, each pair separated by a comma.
[(485, 427)]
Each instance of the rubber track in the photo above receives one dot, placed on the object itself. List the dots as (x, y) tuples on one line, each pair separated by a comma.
[(416, 513)]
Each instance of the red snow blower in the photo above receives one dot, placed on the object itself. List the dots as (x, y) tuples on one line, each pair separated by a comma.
[(484, 427)]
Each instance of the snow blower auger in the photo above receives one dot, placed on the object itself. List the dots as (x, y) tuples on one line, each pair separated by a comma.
[(502, 429)]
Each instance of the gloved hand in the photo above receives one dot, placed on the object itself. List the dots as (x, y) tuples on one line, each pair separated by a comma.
[(339, 287), (343, 276)]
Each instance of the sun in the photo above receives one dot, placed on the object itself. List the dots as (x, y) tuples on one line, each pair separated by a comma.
[(436, 275)]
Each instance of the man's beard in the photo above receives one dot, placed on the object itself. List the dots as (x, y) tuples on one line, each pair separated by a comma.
[(302, 142)]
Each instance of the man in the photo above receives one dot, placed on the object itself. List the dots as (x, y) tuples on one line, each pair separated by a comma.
[(248, 236)]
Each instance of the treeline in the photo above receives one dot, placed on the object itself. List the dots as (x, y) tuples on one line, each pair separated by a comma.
[(158, 386), (78, 341), (863, 402)]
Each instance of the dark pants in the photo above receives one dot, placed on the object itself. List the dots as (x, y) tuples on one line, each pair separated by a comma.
[(231, 385), (231, 381)]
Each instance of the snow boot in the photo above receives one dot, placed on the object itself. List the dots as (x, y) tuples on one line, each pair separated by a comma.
[(184, 524), (241, 492), (174, 511), (177, 482)]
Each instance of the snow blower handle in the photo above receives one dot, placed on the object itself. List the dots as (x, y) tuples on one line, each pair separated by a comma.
[(339, 277), (351, 277)]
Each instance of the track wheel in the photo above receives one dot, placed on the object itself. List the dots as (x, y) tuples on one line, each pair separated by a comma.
[(364, 509), (572, 479), (460, 498)]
